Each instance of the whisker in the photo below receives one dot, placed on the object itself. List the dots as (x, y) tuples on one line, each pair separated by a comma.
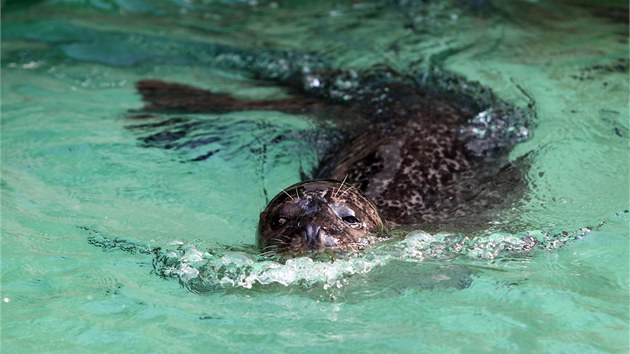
[(289, 195), (342, 182), (270, 250), (346, 191), (268, 253)]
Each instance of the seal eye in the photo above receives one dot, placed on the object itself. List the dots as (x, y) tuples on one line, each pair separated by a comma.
[(350, 219), (278, 222)]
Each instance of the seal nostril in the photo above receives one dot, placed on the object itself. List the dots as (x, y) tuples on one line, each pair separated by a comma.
[(312, 234)]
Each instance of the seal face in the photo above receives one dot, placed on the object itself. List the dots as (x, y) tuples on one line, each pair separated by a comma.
[(316, 216)]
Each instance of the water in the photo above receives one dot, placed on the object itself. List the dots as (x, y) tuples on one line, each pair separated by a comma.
[(82, 199)]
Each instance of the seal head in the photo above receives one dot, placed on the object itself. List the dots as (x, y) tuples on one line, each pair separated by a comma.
[(316, 216)]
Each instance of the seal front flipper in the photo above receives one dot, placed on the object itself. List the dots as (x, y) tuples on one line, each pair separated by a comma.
[(166, 97)]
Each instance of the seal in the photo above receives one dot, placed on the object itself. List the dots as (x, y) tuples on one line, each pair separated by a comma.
[(409, 156)]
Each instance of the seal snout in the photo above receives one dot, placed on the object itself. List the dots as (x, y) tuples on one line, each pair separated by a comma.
[(314, 210)]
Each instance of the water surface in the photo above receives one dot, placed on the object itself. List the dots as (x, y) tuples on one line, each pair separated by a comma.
[(74, 178)]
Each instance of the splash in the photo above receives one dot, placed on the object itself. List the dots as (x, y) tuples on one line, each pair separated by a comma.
[(207, 271), (216, 270)]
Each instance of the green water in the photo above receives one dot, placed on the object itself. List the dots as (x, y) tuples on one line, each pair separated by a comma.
[(73, 172)]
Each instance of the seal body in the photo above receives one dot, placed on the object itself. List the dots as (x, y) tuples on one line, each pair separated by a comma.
[(408, 157)]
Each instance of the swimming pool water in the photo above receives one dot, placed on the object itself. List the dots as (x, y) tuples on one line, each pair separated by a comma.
[(75, 178)]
